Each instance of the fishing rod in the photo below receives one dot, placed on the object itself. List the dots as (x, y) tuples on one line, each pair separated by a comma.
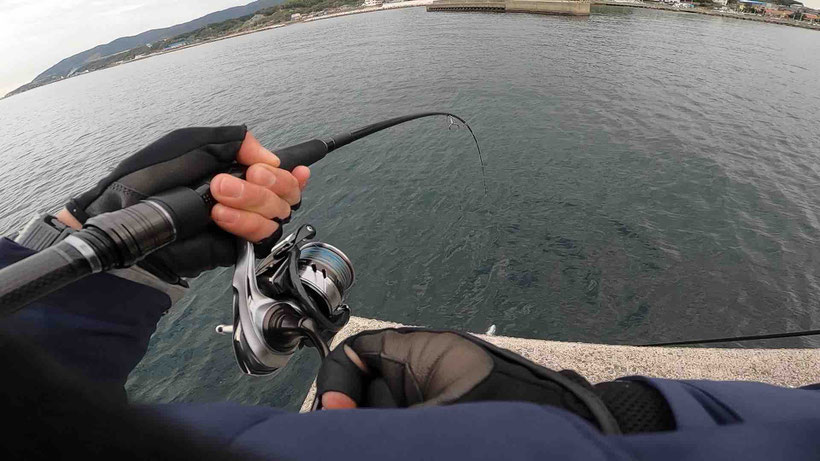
[(292, 298), (121, 238), (314, 150), (793, 334)]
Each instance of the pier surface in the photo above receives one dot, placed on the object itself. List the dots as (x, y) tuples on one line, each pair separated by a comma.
[(600, 362)]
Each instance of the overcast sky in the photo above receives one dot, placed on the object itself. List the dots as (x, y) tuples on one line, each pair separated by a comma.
[(36, 34)]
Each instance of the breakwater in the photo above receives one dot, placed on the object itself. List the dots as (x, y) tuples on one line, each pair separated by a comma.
[(561, 7)]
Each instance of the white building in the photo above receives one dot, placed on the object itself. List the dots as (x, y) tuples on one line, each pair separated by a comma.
[(373, 2)]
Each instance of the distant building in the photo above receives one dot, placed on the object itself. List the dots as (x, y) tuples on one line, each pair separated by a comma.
[(782, 14), (176, 44), (751, 6), (296, 16), (806, 14), (721, 2), (369, 3)]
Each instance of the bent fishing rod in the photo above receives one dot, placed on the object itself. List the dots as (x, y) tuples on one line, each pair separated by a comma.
[(121, 238), (298, 290)]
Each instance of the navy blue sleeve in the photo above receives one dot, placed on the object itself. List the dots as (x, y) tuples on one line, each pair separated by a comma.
[(476, 431), (698, 404), (497, 431), (98, 326)]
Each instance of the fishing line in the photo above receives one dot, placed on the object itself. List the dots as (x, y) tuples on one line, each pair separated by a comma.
[(734, 339), (310, 152), (480, 158)]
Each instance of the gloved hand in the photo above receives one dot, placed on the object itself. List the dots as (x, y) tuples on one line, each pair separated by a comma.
[(412, 367), (252, 208)]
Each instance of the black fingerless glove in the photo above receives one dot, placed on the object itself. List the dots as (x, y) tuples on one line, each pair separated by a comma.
[(417, 367), (186, 157)]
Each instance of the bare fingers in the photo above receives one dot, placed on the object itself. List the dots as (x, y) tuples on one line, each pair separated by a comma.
[(248, 208), (280, 182), (250, 226), (243, 195), (252, 151), (302, 174), (334, 400)]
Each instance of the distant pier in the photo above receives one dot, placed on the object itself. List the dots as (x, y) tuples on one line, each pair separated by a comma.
[(564, 7)]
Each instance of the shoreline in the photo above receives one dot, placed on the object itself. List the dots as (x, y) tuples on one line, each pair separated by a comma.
[(420, 3), (707, 12), (389, 6)]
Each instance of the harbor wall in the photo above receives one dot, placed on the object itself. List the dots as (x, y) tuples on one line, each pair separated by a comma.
[(575, 8), (563, 7)]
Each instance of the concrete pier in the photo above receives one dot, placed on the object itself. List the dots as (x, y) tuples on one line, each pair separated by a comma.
[(564, 7), (600, 362)]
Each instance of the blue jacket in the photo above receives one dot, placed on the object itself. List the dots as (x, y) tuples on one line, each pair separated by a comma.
[(100, 326)]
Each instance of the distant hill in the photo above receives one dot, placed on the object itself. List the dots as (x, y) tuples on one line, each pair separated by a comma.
[(67, 65)]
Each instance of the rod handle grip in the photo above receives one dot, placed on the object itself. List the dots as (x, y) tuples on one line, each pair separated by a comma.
[(306, 153)]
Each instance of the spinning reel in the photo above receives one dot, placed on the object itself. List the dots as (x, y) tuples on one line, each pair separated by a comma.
[(294, 297)]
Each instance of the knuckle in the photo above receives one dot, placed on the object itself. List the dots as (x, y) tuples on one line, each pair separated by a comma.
[(255, 170), (256, 196), (271, 206)]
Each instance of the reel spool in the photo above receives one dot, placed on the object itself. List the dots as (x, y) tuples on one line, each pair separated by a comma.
[(326, 274), (292, 298)]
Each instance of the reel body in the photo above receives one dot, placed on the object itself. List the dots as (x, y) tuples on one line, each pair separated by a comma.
[(294, 297)]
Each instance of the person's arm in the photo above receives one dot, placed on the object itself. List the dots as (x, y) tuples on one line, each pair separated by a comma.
[(414, 367), (100, 326), (51, 413)]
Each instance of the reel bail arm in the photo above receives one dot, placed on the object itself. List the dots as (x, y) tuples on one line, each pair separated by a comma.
[(292, 298)]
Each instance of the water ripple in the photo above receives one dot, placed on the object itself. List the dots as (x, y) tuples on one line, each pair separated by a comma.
[(652, 176)]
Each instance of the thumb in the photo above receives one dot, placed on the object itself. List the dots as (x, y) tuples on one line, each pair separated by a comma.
[(334, 400), (341, 379)]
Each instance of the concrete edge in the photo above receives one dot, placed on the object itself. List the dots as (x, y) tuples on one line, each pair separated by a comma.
[(600, 362)]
